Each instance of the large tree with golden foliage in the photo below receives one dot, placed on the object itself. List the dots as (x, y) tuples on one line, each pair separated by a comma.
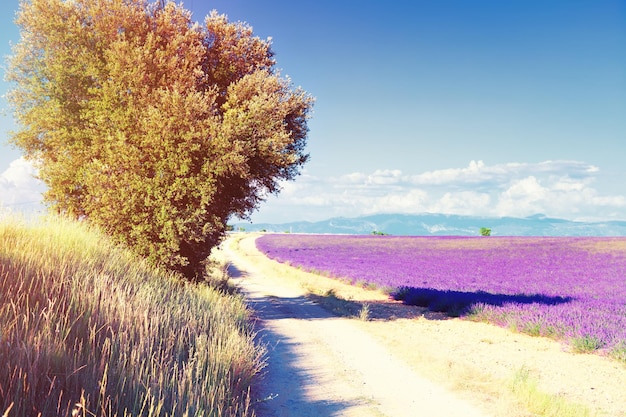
[(153, 127)]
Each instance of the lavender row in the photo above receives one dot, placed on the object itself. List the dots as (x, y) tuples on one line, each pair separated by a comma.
[(568, 288)]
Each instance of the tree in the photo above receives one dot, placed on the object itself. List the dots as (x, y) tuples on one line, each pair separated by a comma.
[(485, 231), (150, 126)]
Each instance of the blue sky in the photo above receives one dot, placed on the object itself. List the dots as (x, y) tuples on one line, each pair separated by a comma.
[(492, 108)]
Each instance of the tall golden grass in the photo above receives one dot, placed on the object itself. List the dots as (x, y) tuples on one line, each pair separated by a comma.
[(88, 329)]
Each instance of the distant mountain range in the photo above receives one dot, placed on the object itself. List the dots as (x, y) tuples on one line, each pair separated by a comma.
[(442, 225)]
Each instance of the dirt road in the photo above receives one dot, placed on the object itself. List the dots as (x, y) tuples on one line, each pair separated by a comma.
[(404, 363)]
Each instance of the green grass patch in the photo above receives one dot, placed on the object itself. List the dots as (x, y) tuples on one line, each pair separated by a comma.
[(619, 353), (586, 344), (541, 404), (88, 328)]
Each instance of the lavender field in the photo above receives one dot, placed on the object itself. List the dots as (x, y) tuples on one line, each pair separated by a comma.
[(571, 289)]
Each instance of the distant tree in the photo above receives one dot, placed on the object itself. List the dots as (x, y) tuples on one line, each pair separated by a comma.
[(154, 128), (485, 231)]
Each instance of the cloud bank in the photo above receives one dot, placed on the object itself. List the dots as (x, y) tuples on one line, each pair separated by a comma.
[(562, 189), (20, 191)]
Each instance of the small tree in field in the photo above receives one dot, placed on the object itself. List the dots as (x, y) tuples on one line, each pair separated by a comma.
[(485, 231), (154, 128)]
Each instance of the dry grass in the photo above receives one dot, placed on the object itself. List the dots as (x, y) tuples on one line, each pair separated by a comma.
[(87, 329)]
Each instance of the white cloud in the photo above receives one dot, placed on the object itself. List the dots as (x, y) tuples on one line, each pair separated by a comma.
[(462, 202), (524, 197), (476, 171), (19, 189), (385, 176), (561, 189)]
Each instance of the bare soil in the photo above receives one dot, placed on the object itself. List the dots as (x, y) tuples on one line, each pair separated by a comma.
[(402, 360)]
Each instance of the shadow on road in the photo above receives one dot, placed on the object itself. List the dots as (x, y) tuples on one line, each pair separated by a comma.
[(280, 391), (320, 364), (336, 306), (235, 272)]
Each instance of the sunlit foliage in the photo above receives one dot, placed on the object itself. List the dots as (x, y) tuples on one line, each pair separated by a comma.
[(155, 128)]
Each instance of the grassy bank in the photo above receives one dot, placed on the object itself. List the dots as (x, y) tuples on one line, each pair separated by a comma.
[(88, 329)]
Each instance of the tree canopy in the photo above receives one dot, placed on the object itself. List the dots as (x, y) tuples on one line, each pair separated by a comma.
[(153, 127)]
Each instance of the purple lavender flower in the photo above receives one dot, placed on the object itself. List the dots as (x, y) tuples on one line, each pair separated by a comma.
[(564, 287)]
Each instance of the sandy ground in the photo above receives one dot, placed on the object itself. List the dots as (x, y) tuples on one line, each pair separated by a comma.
[(403, 361)]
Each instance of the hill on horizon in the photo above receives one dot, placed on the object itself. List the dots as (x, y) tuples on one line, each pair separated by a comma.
[(444, 225)]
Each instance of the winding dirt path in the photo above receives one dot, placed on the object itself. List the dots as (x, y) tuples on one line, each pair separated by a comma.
[(402, 362)]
